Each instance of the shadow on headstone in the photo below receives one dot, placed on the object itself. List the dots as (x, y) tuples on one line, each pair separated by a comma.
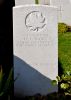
[(30, 81)]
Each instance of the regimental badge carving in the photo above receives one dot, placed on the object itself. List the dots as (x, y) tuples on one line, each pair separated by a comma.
[(35, 21)]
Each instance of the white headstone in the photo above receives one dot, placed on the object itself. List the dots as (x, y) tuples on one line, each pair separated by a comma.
[(59, 2), (66, 15), (63, 10), (23, 2), (35, 49)]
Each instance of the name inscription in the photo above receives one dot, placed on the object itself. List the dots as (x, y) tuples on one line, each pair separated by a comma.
[(35, 40)]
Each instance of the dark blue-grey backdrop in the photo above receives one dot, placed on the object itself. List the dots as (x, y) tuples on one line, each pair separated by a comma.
[(6, 35)]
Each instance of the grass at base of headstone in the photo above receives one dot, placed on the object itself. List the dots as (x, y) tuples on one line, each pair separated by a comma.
[(52, 96), (65, 51)]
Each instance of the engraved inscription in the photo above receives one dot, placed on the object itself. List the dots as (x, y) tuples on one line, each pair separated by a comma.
[(35, 40), (35, 21)]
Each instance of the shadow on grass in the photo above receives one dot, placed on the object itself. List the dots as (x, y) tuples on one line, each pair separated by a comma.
[(60, 69), (60, 73)]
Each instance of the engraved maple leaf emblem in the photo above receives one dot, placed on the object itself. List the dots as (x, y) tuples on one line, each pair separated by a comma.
[(35, 21)]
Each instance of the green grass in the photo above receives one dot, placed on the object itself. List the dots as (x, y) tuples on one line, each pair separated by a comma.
[(36, 1), (65, 50)]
